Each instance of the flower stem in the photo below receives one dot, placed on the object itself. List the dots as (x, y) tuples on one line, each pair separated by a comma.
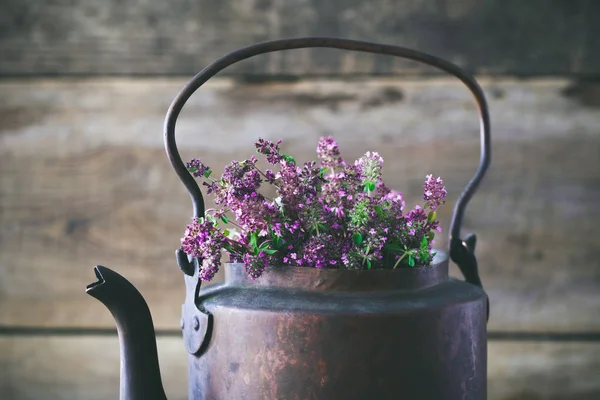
[(236, 224), (400, 259), (238, 243), (366, 255), (263, 174), (229, 221)]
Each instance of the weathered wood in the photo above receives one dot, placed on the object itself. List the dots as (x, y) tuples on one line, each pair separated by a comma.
[(82, 368), (87, 368), (180, 37), (549, 371), (84, 180)]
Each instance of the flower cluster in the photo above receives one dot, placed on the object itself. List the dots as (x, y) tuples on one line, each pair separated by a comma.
[(326, 215)]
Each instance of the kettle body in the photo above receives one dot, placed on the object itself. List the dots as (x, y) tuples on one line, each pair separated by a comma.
[(304, 333)]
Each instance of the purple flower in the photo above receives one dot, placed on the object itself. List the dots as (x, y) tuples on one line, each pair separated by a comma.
[(210, 266), (212, 187), (434, 192), (270, 149), (255, 264), (393, 201), (270, 175), (332, 215), (370, 166), (328, 152), (315, 252), (197, 168), (202, 240), (416, 215)]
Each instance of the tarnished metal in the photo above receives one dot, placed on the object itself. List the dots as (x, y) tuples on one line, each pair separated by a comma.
[(140, 374), (307, 333), (196, 322)]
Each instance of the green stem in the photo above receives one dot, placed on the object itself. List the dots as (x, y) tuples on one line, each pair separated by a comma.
[(228, 220), (236, 224), (400, 259), (366, 255), (237, 243)]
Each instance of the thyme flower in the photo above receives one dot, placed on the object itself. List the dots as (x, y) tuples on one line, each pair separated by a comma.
[(332, 215)]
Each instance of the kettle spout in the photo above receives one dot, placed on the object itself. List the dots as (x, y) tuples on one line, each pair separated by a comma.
[(140, 373)]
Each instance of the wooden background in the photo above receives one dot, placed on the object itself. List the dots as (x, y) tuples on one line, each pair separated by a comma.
[(84, 179)]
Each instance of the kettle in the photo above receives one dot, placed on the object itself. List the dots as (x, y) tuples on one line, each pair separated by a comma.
[(306, 333)]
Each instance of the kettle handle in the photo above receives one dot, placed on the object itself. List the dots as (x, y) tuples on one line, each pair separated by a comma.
[(461, 251)]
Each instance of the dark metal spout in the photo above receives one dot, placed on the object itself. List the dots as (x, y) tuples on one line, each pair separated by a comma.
[(140, 373)]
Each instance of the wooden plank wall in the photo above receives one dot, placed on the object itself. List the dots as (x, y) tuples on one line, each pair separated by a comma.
[(529, 38), (84, 179)]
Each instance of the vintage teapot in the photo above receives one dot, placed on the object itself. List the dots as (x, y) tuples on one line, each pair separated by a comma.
[(308, 333)]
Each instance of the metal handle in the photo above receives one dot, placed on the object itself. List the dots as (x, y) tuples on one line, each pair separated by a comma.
[(460, 252)]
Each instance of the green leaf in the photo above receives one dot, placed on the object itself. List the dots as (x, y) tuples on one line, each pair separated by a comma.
[(432, 216), (424, 242), (253, 239), (378, 210), (226, 233), (207, 173), (225, 219), (192, 169), (368, 264), (370, 185), (277, 242), (288, 158), (431, 235), (393, 247), (411, 260), (263, 246), (357, 238), (270, 252)]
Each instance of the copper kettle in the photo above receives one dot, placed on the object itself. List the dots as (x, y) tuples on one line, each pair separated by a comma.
[(307, 333)]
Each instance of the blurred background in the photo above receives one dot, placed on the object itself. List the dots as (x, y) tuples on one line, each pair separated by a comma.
[(84, 178)]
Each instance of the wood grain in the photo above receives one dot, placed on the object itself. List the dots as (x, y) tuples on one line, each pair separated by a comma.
[(87, 368), (84, 180), (181, 37)]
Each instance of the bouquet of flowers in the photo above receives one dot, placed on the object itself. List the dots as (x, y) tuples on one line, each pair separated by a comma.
[(327, 215)]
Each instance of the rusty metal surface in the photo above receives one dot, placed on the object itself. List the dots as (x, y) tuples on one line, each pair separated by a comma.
[(304, 333), (196, 322), (140, 374)]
